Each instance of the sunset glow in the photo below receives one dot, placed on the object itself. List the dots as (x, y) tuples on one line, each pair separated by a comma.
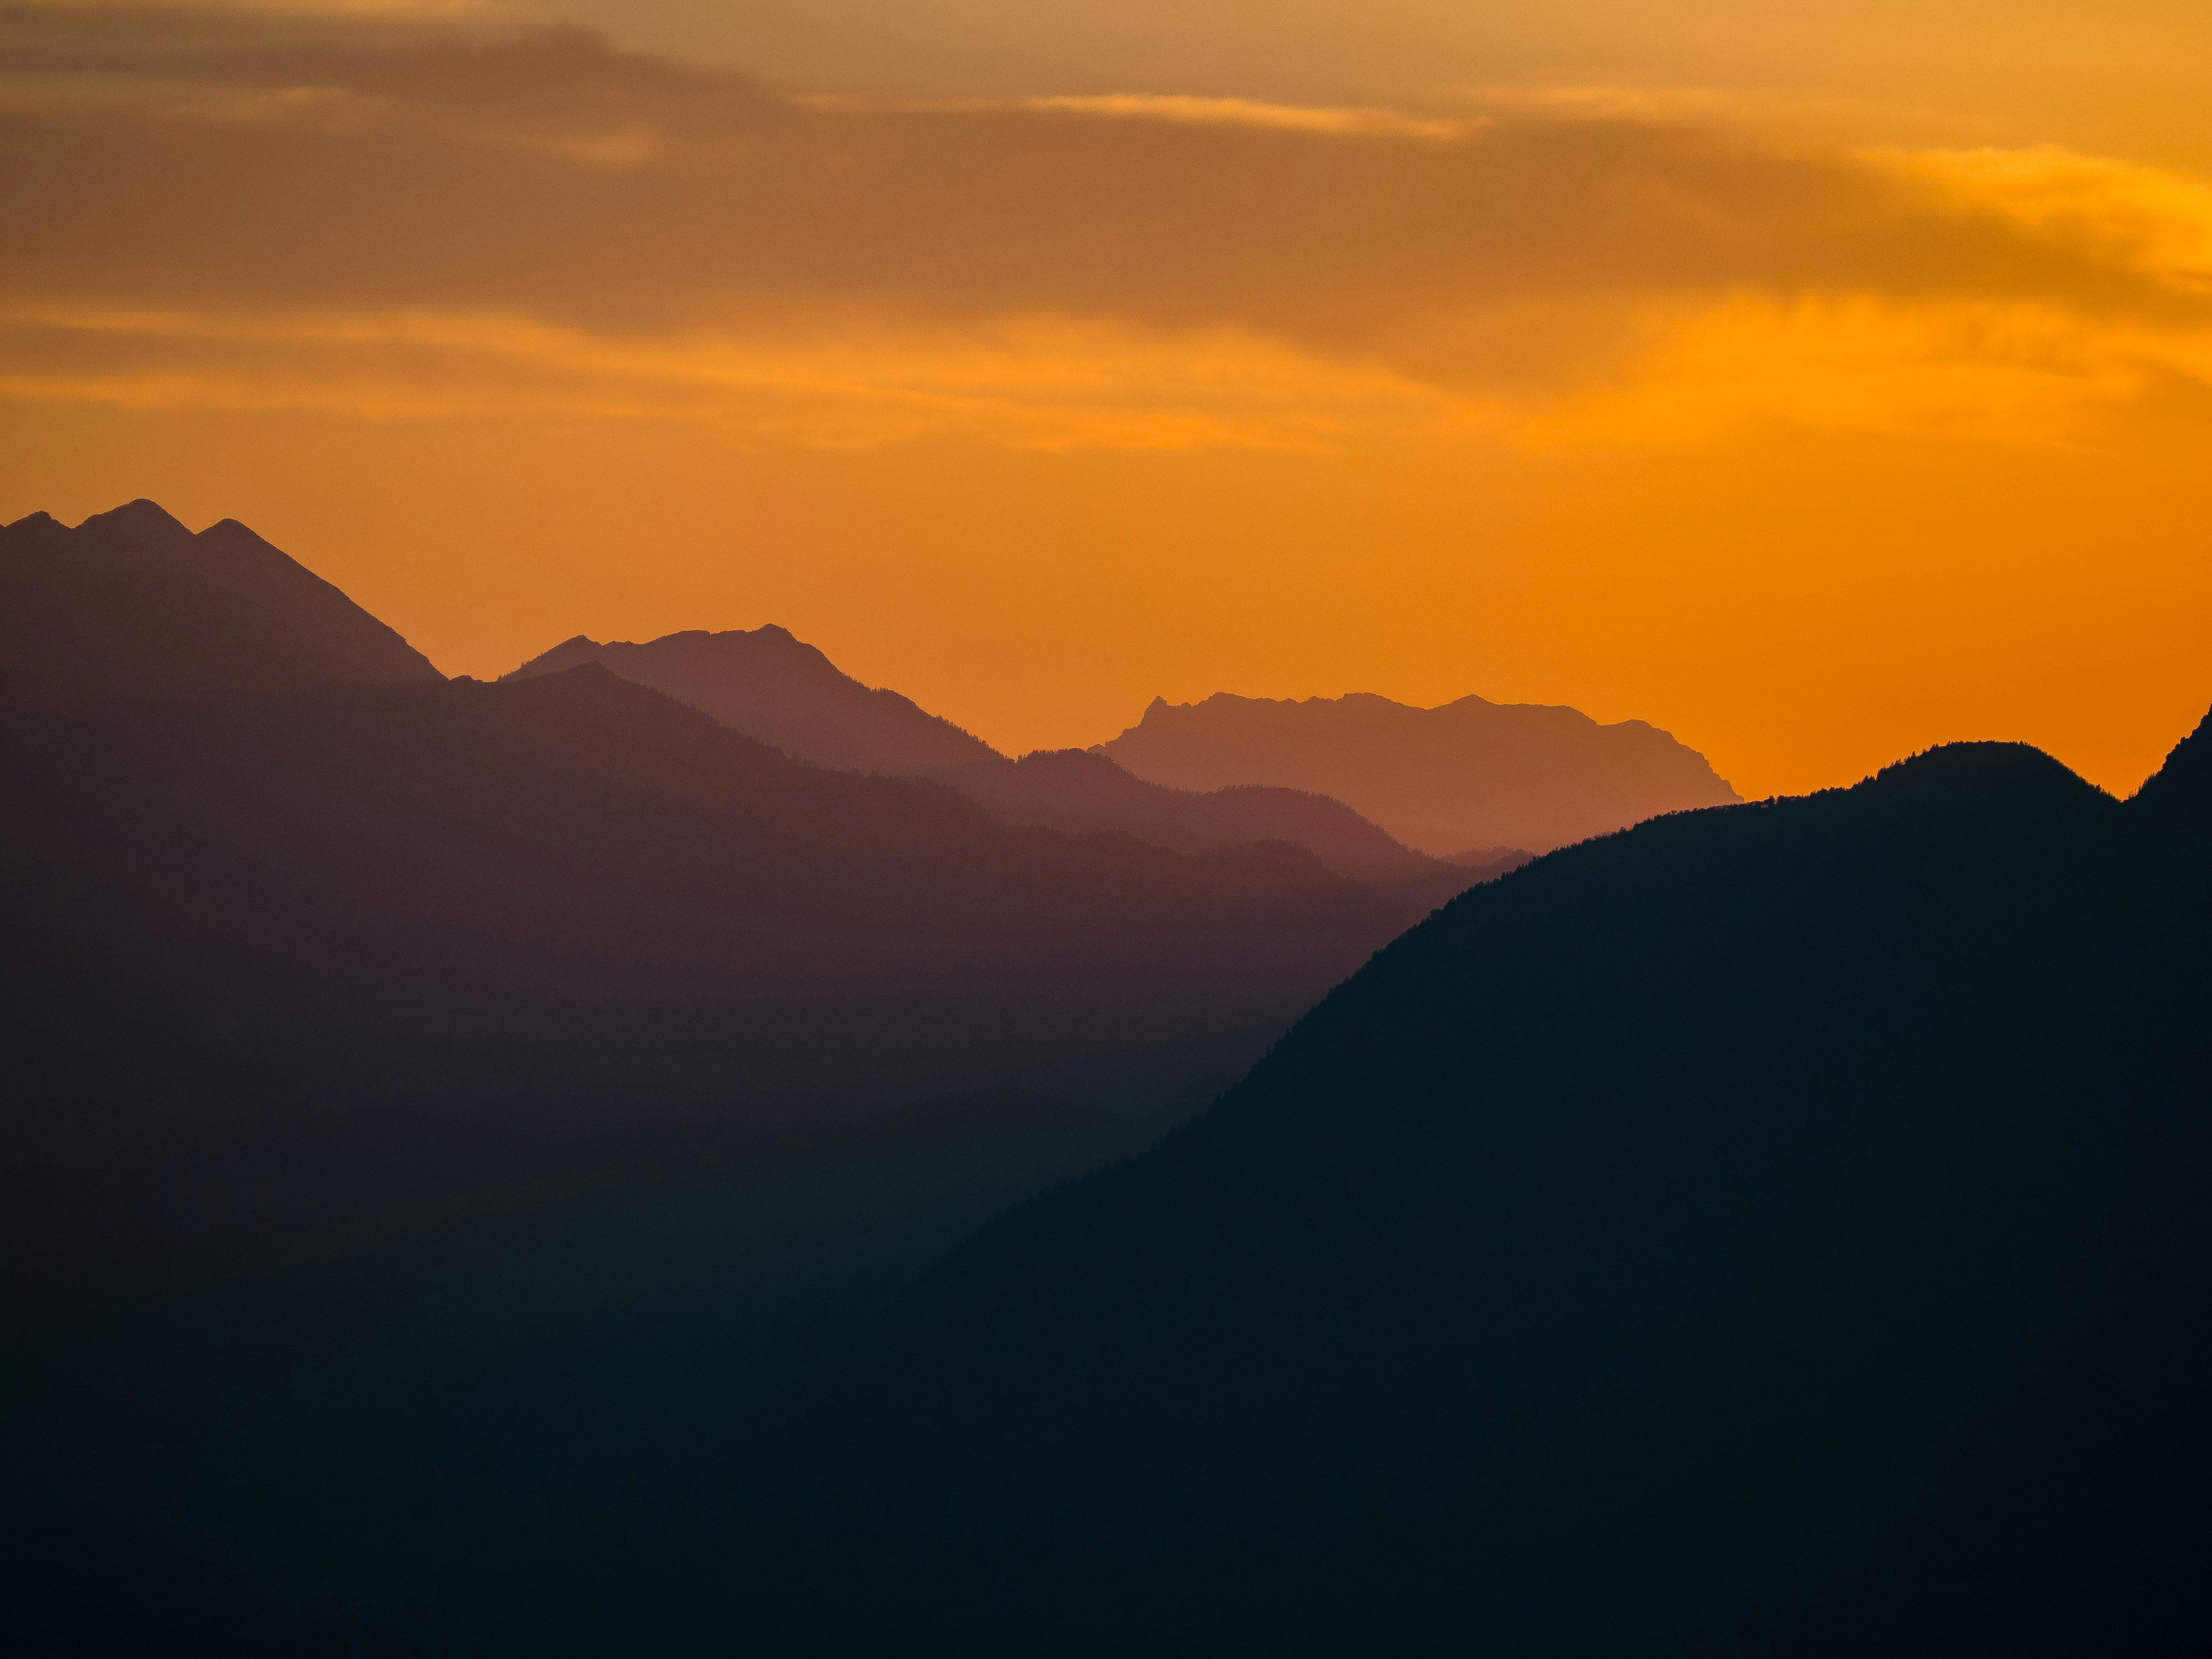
[(1811, 410)]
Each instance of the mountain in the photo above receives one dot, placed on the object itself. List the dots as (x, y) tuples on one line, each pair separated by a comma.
[(1468, 774), (781, 691), (1082, 792), (130, 603), (1774, 1229)]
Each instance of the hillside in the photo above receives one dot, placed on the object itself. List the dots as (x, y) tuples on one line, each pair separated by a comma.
[(1468, 774), (1781, 1224)]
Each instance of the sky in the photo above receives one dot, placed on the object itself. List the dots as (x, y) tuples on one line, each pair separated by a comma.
[(1817, 382)]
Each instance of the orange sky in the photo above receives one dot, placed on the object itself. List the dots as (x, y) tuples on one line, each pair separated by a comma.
[(1818, 398)]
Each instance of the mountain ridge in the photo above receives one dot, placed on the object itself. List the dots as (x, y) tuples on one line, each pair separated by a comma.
[(1467, 774), (776, 688)]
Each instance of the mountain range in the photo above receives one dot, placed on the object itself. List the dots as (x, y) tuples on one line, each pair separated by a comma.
[(1468, 780), (532, 1168), (781, 691), (132, 603)]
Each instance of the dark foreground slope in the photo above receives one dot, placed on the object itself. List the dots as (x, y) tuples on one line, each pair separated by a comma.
[(129, 603), (1778, 1229)]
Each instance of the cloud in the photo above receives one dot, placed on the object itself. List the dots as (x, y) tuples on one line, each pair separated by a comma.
[(1236, 112), (1039, 383), (398, 218)]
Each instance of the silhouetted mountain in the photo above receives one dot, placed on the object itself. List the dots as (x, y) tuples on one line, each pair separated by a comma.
[(781, 691), (1774, 1229), (1470, 773), (1084, 793), (130, 603)]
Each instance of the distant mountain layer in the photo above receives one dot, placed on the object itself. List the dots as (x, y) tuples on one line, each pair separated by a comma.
[(778, 690), (1469, 774), (1070, 790), (130, 603), (783, 692), (1777, 1230)]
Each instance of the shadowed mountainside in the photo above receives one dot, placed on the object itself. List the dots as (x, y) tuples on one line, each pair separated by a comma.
[(781, 691), (129, 603), (1467, 774), (568, 863), (1779, 1227), (1082, 792)]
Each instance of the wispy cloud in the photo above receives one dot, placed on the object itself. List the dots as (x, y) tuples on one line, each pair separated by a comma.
[(1040, 383), (1246, 112), (400, 220)]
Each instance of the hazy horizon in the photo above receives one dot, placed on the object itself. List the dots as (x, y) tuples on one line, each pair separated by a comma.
[(1815, 388)]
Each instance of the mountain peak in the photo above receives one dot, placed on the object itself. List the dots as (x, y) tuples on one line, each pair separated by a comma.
[(778, 689), (140, 527), (141, 511)]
